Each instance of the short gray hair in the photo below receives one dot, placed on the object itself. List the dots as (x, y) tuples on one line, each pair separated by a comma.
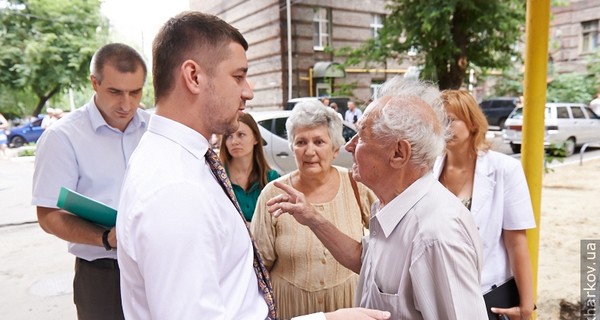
[(403, 115), (311, 114)]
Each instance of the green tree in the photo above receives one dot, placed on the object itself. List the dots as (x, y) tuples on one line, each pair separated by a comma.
[(47, 45), (593, 69), (510, 83), (570, 87), (448, 36)]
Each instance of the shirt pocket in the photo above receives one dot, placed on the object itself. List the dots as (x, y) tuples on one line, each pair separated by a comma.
[(385, 301)]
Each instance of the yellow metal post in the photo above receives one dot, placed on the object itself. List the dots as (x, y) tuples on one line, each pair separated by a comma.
[(532, 151), (310, 82)]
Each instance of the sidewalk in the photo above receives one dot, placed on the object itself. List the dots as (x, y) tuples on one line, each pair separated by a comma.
[(36, 272)]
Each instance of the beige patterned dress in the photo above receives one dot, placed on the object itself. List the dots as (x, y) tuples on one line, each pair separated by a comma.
[(306, 278)]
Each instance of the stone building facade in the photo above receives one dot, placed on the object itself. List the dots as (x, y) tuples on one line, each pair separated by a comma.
[(317, 27), (574, 35)]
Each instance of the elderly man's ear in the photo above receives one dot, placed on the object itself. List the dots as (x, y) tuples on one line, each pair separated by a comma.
[(401, 155)]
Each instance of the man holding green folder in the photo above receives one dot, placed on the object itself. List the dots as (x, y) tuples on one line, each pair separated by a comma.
[(87, 152)]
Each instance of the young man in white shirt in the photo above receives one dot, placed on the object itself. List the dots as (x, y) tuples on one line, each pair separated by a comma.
[(184, 248)]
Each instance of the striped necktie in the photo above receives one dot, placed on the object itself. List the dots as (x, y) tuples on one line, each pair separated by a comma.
[(264, 281)]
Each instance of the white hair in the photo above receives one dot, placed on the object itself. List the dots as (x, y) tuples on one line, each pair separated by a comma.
[(311, 114), (403, 114)]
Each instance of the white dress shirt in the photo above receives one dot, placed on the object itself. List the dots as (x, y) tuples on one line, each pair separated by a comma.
[(83, 153), (422, 258), (184, 250), (500, 201)]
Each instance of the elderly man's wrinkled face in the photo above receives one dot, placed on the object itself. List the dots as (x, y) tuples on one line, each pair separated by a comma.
[(369, 154)]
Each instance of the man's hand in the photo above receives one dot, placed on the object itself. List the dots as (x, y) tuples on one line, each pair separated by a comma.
[(294, 203), (357, 314)]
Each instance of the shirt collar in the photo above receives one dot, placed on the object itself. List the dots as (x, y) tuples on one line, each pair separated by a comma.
[(391, 215), (186, 137), (97, 120)]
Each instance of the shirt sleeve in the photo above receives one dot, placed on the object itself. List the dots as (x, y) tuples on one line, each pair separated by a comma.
[(262, 227), (446, 282), (518, 211), (55, 167)]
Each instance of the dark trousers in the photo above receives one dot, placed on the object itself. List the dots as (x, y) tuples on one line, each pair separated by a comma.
[(97, 290)]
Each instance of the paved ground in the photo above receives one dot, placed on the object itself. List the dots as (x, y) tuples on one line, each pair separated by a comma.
[(36, 271)]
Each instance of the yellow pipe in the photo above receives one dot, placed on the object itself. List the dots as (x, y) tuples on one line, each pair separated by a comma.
[(534, 87), (310, 82), (355, 70)]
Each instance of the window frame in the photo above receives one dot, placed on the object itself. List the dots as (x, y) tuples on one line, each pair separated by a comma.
[(590, 36), (321, 21), (376, 24)]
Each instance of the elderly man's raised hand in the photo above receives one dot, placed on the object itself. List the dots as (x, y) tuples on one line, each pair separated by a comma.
[(294, 203), (357, 314)]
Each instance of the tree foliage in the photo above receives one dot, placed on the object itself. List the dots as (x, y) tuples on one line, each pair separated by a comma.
[(448, 35), (570, 87), (47, 45)]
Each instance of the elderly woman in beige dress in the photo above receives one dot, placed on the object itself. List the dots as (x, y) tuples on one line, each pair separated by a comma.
[(306, 278)]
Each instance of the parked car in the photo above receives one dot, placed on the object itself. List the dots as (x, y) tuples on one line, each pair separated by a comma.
[(25, 133), (276, 146), (496, 110), (568, 124)]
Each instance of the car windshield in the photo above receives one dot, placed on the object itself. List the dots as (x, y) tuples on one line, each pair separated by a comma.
[(518, 113)]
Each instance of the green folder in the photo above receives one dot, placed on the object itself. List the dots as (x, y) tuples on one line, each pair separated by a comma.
[(86, 207)]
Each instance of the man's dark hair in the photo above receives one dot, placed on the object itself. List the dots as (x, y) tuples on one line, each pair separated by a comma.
[(193, 36), (121, 56)]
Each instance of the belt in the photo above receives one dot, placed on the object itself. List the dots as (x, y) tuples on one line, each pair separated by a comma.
[(105, 263)]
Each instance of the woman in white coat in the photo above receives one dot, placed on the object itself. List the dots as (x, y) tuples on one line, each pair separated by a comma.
[(493, 187)]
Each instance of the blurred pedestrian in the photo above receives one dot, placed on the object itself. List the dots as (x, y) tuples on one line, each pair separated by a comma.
[(422, 258), (184, 249), (353, 114), (492, 186), (3, 137), (87, 151), (334, 106), (49, 118), (595, 105), (306, 278), (244, 160)]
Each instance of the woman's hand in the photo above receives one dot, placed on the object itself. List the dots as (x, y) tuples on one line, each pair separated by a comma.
[(515, 313)]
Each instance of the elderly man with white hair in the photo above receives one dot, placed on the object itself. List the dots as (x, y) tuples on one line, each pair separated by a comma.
[(423, 256)]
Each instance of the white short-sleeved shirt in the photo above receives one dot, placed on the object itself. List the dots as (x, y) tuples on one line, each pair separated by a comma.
[(83, 153), (500, 201), (422, 258)]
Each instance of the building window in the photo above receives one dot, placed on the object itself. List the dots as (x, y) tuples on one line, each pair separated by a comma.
[(375, 87), (589, 36), (377, 25), (321, 29)]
